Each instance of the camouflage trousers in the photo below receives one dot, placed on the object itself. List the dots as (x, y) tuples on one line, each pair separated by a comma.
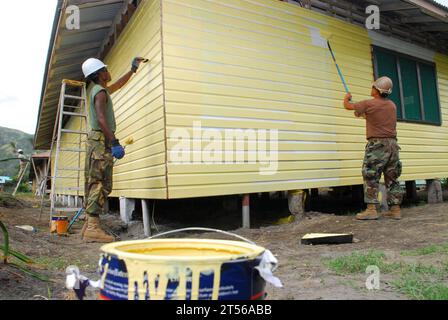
[(382, 156), (98, 173)]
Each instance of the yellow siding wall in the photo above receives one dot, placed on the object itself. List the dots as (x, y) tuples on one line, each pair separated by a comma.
[(139, 107), (252, 64)]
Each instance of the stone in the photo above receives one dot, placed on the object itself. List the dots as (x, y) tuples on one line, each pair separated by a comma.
[(434, 188)]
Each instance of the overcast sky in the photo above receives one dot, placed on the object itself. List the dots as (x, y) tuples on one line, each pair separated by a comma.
[(25, 33)]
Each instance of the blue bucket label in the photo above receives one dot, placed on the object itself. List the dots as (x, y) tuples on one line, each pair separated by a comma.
[(239, 281)]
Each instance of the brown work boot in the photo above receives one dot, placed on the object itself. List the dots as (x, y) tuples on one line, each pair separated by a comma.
[(94, 233), (369, 214), (393, 213), (84, 228)]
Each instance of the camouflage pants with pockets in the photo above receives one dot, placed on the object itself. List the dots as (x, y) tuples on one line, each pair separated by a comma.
[(98, 173), (382, 156)]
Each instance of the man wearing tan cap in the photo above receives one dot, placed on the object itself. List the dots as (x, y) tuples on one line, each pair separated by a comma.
[(382, 150)]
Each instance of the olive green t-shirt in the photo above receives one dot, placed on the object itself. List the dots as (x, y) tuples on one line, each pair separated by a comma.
[(109, 112)]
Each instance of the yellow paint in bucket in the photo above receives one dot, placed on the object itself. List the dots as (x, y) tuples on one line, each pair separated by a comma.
[(169, 259)]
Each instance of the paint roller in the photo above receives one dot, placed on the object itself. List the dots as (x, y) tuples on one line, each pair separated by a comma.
[(129, 141)]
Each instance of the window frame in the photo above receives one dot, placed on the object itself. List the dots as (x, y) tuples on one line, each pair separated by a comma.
[(418, 62)]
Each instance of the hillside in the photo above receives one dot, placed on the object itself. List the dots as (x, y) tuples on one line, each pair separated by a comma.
[(22, 141)]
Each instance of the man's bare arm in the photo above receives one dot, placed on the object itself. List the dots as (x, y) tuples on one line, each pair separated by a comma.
[(347, 104), (120, 82), (124, 79), (100, 107)]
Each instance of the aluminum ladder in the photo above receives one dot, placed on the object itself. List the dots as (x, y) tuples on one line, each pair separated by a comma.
[(71, 106)]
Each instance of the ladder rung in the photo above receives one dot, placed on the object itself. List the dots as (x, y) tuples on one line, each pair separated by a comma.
[(74, 114), (73, 83), (72, 150), (73, 107), (68, 96), (67, 209), (73, 131), (70, 169)]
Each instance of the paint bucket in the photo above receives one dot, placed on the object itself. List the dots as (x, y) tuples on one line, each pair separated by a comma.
[(59, 225), (181, 269)]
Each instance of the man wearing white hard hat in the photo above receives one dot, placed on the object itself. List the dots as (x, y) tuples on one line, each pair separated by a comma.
[(382, 153), (23, 161), (102, 145)]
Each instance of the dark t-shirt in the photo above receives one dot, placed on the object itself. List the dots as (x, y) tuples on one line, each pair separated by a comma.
[(381, 117)]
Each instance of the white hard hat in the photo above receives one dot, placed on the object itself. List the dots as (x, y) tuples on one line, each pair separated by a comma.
[(20, 151), (91, 66), (384, 85)]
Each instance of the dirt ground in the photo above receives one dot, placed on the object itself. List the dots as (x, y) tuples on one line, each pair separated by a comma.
[(301, 268)]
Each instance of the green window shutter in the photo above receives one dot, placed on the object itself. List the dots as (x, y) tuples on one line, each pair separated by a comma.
[(411, 95), (387, 66), (429, 88)]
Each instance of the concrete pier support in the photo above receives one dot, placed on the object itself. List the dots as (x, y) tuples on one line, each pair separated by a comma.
[(434, 188), (296, 201), (127, 206), (246, 211), (146, 217)]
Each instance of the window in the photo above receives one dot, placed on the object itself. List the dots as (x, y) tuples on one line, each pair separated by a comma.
[(415, 85)]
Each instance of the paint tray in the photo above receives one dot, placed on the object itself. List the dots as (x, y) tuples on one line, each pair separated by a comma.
[(326, 238)]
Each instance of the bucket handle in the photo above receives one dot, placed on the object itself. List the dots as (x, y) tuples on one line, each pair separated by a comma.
[(203, 229)]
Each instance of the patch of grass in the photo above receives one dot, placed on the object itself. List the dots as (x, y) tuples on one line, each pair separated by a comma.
[(417, 280), (357, 262), (422, 282), (420, 287), (56, 263), (442, 248), (423, 270)]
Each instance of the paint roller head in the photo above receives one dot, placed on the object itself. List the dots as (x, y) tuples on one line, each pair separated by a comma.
[(129, 141), (326, 35)]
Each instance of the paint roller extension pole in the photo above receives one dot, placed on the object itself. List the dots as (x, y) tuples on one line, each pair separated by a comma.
[(337, 67)]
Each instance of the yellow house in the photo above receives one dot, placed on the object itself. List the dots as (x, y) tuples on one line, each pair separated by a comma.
[(227, 78)]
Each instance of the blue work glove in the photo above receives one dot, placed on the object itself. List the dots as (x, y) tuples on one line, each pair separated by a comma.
[(117, 150), (136, 63)]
